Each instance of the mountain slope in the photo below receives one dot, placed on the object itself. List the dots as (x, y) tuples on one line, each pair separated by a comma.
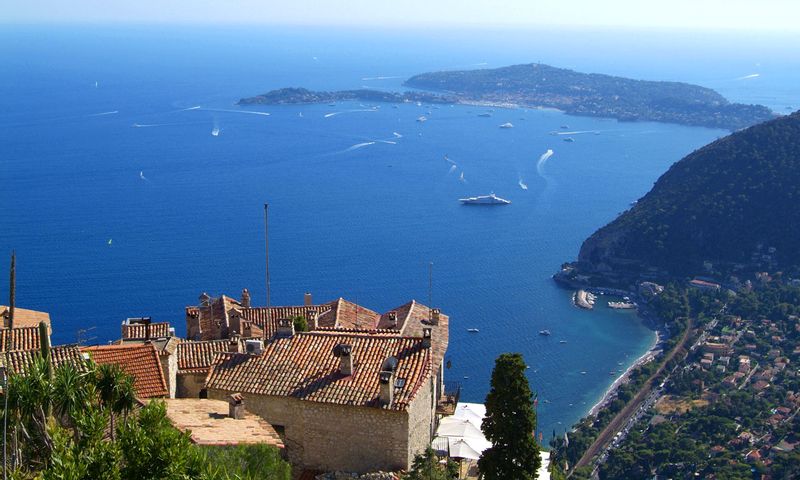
[(719, 204)]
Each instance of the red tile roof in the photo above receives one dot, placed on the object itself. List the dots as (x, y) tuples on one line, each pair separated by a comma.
[(139, 331), (25, 318), (412, 317), (19, 361), (305, 367), (194, 357), (345, 314), (140, 361), (267, 318), (22, 338)]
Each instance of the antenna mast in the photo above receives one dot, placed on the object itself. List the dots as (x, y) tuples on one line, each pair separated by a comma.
[(430, 292), (266, 249), (12, 294)]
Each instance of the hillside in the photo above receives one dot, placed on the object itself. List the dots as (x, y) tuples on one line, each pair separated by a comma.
[(734, 201), (594, 95)]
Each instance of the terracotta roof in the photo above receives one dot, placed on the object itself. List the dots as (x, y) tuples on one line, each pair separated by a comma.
[(412, 317), (196, 357), (304, 367), (25, 318), (267, 318), (209, 423), (22, 338), (139, 331), (19, 361), (345, 314), (138, 360)]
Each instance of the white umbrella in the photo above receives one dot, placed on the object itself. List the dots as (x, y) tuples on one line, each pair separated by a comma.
[(474, 412), (459, 448), (458, 427)]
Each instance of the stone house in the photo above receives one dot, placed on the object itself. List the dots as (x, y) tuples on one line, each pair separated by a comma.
[(162, 336), (342, 400), (194, 360)]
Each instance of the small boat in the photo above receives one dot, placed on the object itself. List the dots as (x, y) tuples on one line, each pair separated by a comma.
[(485, 114), (546, 333), (569, 139), (583, 372), (473, 330), (331, 104), (490, 199), (507, 125), (422, 118), (562, 341), (215, 132)]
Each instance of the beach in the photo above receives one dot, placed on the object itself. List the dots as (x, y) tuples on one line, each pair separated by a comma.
[(611, 392)]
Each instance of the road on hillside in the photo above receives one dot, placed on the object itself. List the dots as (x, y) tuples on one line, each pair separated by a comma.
[(607, 434)]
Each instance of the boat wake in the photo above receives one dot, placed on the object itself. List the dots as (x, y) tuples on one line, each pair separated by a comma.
[(224, 110), (397, 135), (461, 178), (522, 184), (141, 175), (359, 145), (748, 77), (453, 168), (104, 113), (542, 160), (333, 114), (580, 132), (369, 79)]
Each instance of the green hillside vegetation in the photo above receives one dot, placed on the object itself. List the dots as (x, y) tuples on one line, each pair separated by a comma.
[(734, 201), (592, 94)]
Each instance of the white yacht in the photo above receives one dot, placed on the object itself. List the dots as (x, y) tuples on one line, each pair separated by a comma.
[(507, 125), (422, 118), (490, 199)]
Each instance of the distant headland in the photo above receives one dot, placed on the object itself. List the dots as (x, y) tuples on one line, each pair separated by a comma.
[(538, 85)]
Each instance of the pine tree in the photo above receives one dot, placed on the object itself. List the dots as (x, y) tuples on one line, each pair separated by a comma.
[(510, 424)]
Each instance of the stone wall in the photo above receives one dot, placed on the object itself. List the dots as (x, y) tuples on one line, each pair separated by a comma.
[(188, 385), (330, 437), (169, 365), (421, 417)]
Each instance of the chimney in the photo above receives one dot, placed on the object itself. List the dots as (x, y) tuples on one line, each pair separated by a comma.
[(233, 344), (386, 388), (344, 352), (205, 299), (307, 301), (236, 406), (435, 316), (311, 319), (285, 328), (392, 319), (245, 298), (426, 337)]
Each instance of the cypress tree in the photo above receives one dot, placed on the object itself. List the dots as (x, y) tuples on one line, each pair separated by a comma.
[(510, 424)]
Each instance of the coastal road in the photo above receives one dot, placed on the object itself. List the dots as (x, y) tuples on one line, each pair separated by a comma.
[(621, 419)]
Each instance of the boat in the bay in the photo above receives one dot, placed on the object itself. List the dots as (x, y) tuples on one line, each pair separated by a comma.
[(473, 330), (490, 199), (545, 333), (507, 125)]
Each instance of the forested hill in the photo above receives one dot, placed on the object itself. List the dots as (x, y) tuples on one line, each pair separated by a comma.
[(594, 95), (736, 200)]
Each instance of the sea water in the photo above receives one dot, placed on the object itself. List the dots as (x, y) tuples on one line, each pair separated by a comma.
[(131, 183)]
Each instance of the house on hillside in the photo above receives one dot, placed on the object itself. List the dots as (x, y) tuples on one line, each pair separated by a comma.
[(348, 400), (162, 336)]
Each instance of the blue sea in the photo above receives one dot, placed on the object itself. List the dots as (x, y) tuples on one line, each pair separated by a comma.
[(120, 202)]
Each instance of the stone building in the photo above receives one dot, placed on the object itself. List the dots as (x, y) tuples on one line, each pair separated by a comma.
[(162, 336), (342, 400), (194, 360)]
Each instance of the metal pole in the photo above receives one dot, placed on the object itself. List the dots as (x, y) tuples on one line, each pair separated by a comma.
[(266, 250), (430, 292), (11, 302)]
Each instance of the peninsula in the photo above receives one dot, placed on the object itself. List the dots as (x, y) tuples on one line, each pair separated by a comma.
[(542, 86)]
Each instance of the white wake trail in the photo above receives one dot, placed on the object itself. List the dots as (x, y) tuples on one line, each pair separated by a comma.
[(368, 79), (248, 112), (359, 145), (453, 168), (522, 184), (542, 160), (101, 114), (747, 77), (329, 115)]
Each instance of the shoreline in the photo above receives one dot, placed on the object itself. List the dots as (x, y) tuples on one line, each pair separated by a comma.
[(611, 391)]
